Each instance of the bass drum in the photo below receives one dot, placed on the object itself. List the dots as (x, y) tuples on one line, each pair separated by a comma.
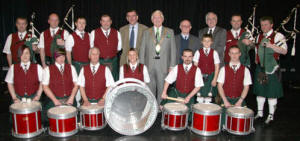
[(130, 107)]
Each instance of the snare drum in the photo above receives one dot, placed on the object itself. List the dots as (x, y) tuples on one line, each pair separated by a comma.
[(62, 121), (26, 119), (239, 120), (175, 116), (206, 119), (92, 117)]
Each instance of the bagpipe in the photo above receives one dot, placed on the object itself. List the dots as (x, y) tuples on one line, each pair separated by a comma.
[(33, 39), (54, 46)]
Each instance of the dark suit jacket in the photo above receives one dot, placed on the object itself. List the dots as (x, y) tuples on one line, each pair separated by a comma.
[(194, 44), (219, 41)]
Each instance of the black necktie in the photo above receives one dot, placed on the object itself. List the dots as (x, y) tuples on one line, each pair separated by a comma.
[(82, 35), (133, 68), (186, 69), (234, 67), (210, 32)]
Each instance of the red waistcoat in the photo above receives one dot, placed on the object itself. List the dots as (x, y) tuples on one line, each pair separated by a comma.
[(234, 81), (61, 84), (137, 73), (108, 46), (185, 82), (95, 85), (48, 39), (80, 51), (206, 63), (26, 82)]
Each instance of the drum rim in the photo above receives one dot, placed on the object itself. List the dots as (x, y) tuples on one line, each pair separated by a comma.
[(64, 134), (200, 111), (205, 133), (26, 110), (62, 116), (91, 111), (139, 84), (27, 135), (240, 115), (176, 112)]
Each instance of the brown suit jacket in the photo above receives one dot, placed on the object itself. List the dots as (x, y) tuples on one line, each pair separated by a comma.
[(124, 31)]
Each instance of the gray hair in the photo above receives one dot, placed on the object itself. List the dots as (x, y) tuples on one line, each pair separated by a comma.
[(159, 12), (211, 13)]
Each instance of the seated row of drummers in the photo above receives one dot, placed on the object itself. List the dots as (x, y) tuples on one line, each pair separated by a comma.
[(60, 82)]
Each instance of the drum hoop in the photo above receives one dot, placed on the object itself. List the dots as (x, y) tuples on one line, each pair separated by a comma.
[(110, 98), (240, 115), (62, 116), (91, 111), (206, 112), (26, 110), (176, 112)]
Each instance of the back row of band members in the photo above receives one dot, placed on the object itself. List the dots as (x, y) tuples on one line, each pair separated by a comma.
[(159, 50)]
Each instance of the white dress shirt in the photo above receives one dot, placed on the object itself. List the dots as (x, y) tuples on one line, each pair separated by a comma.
[(69, 44), (172, 76), (145, 72), (216, 56), (159, 29), (7, 45), (10, 74), (235, 32), (108, 76), (247, 75), (136, 29), (46, 75), (42, 41), (185, 36), (92, 38), (212, 30)]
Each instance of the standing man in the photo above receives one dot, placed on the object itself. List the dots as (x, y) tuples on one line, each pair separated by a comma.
[(109, 42), (94, 80), (15, 40), (185, 40), (77, 48), (233, 36), (267, 74), (218, 34), (158, 52), (51, 39), (131, 35)]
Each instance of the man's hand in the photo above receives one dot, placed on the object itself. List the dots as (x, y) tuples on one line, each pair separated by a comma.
[(238, 103), (16, 100), (214, 83), (70, 101), (101, 102), (164, 95), (247, 42), (60, 42), (187, 99), (227, 104), (86, 103), (36, 98), (57, 102)]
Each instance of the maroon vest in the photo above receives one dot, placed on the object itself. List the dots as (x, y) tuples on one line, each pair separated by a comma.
[(81, 48), (206, 63), (230, 41), (48, 39), (26, 82), (95, 85), (137, 73), (271, 37), (16, 43), (185, 82), (61, 84), (234, 81), (107, 46)]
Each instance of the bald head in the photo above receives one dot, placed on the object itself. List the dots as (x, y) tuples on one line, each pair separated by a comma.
[(53, 20)]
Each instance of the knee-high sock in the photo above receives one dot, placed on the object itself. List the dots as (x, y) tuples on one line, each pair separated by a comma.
[(272, 105), (260, 104), (78, 98)]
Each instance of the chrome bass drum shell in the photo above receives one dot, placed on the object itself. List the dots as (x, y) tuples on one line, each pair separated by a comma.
[(130, 107)]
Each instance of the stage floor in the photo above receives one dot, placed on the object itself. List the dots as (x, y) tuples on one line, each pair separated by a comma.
[(285, 127)]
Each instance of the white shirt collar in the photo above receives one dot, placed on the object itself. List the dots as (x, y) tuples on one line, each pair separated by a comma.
[(135, 25), (269, 32), (27, 64), (204, 48), (234, 31), (185, 35), (155, 28), (58, 65), (213, 29), (238, 65), (103, 30), (97, 66), (23, 33), (55, 29), (133, 65), (79, 32), (189, 65)]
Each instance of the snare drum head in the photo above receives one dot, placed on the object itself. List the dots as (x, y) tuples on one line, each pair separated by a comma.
[(24, 107), (130, 108), (238, 111), (175, 107), (206, 107), (62, 110), (93, 107)]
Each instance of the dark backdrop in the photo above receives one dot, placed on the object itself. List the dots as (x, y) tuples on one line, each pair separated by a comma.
[(174, 11)]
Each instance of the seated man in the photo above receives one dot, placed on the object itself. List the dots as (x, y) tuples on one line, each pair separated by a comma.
[(188, 81), (233, 81), (94, 80)]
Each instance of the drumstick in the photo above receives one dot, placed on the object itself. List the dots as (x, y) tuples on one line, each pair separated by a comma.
[(222, 105), (175, 99)]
